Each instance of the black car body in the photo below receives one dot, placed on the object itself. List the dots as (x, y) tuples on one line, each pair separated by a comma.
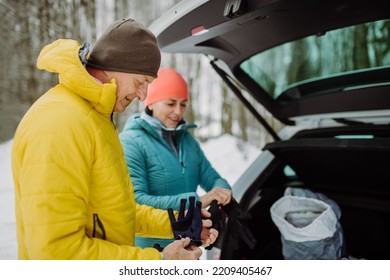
[(332, 94)]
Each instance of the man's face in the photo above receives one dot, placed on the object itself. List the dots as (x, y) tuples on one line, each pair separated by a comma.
[(129, 87)]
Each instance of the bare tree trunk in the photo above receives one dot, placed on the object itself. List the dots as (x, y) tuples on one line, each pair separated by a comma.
[(360, 53), (226, 112), (190, 114), (243, 122)]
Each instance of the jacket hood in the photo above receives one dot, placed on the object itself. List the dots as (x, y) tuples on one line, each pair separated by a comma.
[(62, 57)]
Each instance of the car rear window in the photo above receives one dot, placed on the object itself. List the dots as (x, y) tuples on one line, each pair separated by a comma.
[(324, 55)]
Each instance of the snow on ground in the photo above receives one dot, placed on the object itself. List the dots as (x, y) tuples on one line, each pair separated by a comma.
[(8, 246)]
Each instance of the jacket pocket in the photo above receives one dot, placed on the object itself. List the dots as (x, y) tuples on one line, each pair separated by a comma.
[(98, 228)]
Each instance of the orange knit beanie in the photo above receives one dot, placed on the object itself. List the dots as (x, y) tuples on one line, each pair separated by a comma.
[(168, 84)]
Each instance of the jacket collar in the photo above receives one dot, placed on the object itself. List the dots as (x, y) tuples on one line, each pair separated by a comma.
[(159, 126)]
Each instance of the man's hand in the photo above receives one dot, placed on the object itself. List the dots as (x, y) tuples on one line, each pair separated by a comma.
[(208, 234), (182, 250)]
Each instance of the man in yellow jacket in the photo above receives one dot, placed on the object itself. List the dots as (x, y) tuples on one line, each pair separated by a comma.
[(74, 197)]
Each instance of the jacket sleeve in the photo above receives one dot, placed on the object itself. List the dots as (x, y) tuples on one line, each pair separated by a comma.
[(153, 222), (209, 177), (137, 165)]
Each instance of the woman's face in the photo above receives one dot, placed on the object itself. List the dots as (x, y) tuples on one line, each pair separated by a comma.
[(169, 111), (129, 87)]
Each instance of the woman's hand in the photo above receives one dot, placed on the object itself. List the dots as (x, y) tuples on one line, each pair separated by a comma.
[(221, 195)]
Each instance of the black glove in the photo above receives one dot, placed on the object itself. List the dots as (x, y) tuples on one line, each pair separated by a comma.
[(218, 216), (158, 247), (234, 209), (237, 224), (189, 225)]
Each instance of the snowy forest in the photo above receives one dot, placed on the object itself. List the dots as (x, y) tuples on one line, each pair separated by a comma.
[(27, 26)]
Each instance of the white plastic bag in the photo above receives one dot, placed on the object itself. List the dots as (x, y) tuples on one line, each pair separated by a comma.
[(309, 225)]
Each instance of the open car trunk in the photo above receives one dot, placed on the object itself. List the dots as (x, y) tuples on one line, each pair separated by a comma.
[(341, 163), (311, 64)]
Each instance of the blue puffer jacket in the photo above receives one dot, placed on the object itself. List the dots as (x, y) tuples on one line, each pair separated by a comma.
[(161, 177)]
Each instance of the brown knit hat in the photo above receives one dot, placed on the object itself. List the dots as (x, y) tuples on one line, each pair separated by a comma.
[(127, 46)]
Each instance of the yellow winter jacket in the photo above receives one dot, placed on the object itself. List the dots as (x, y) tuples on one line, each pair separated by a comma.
[(73, 195)]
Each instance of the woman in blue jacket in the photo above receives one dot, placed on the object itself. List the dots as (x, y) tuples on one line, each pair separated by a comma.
[(165, 162)]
